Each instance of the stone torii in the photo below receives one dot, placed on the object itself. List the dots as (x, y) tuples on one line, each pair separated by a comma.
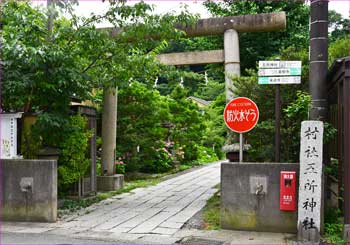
[(227, 26)]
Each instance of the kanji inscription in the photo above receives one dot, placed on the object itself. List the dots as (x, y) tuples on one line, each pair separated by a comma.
[(310, 186)]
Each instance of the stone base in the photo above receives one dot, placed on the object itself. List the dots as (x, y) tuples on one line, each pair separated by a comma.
[(29, 190), (346, 232), (242, 209), (110, 183)]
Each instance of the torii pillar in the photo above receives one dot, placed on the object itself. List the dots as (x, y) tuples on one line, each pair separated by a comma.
[(232, 61)]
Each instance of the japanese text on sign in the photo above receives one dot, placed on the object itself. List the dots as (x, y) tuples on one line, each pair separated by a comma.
[(241, 114), (310, 187)]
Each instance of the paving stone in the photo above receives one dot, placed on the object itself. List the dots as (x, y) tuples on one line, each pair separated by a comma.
[(62, 231), (164, 231), (10, 228), (127, 237), (156, 239), (35, 230), (172, 225), (152, 223), (119, 229), (114, 222), (139, 219)]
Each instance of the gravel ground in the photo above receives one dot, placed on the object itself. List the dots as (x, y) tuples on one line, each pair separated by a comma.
[(196, 222)]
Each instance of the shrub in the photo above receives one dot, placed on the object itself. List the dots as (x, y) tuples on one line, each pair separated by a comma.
[(73, 162)]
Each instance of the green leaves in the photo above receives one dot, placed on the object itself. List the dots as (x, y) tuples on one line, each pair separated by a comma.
[(73, 162)]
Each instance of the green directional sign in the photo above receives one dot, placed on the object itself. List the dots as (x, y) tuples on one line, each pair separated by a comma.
[(280, 80)]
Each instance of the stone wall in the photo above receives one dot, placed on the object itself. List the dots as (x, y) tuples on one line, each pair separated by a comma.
[(242, 209), (29, 190)]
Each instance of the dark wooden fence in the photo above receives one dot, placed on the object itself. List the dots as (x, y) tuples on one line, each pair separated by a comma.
[(339, 117)]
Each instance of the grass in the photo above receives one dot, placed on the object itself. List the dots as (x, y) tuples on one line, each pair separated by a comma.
[(211, 213)]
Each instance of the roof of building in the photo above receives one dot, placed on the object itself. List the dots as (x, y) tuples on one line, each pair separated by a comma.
[(200, 101)]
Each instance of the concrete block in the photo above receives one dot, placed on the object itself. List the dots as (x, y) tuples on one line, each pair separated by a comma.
[(243, 210), (29, 190), (110, 183)]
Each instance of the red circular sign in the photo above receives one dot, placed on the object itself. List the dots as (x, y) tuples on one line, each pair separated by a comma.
[(241, 115)]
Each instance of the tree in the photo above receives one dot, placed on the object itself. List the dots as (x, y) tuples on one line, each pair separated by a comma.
[(188, 123), (338, 26), (141, 135), (338, 49)]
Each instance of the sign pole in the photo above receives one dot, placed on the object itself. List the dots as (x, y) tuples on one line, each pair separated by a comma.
[(241, 147), (278, 123)]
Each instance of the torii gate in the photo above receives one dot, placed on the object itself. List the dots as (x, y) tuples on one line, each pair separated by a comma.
[(229, 27)]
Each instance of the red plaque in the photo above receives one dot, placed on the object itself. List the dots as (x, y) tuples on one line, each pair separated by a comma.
[(288, 191), (241, 115)]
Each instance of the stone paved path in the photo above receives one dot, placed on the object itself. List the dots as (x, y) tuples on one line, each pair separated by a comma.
[(161, 209)]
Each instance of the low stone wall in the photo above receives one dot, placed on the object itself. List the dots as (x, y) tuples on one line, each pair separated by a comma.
[(29, 190), (242, 209)]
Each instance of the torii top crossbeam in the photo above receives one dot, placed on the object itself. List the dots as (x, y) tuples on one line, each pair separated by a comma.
[(243, 23)]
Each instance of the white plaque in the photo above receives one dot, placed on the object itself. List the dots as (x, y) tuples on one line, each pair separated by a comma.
[(8, 133), (310, 180), (280, 64)]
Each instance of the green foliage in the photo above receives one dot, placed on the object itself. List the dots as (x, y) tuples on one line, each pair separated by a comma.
[(120, 168), (73, 162), (210, 91), (296, 112), (215, 128), (333, 226), (155, 131), (42, 70), (332, 168), (30, 143), (339, 26), (338, 49), (141, 112), (206, 155), (188, 123)]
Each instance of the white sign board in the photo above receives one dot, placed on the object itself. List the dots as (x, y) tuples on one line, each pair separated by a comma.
[(310, 179), (279, 80), (8, 140), (280, 64), (280, 72)]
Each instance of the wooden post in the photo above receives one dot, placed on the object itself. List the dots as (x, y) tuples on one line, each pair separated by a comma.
[(346, 145), (277, 124)]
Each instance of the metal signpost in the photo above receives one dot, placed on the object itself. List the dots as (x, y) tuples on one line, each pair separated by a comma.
[(241, 115), (276, 73)]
